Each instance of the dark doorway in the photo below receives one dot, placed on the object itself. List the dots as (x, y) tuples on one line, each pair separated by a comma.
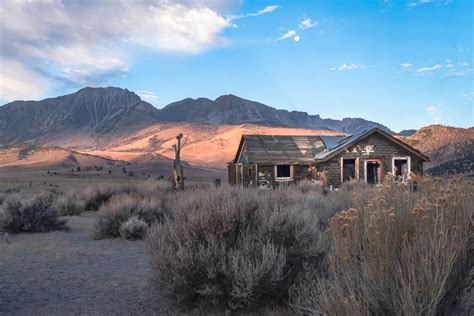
[(373, 172), (401, 168), (348, 169)]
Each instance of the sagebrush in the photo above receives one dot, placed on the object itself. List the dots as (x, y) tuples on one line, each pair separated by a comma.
[(238, 247), (29, 213), (121, 208)]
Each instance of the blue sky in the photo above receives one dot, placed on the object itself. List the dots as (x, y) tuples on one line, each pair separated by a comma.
[(405, 64)]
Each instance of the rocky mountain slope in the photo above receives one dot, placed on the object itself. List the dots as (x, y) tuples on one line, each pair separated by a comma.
[(457, 158), (208, 145), (433, 137), (89, 116), (230, 109), (451, 149)]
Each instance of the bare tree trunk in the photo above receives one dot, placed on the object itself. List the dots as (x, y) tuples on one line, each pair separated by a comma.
[(178, 178)]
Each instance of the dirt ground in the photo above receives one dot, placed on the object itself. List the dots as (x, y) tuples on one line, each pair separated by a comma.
[(70, 273)]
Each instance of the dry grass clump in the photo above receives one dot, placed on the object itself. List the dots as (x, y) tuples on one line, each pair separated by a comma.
[(29, 213), (402, 252), (121, 208), (96, 196), (235, 247), (69, 204)]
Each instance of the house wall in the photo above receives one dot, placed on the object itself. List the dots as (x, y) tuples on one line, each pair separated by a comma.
[(373, 147), (266, 175)]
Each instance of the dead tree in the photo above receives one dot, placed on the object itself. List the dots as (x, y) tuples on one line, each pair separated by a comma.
[(178, 178)]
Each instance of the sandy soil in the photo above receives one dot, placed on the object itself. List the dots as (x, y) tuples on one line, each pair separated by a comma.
[(70, 273)]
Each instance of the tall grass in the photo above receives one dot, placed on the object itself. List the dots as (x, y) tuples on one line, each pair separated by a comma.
[(399, 252)]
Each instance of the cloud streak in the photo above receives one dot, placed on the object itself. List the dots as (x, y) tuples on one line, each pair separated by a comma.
[(347, 67), (307, 23), (288, 35), (429, 69)]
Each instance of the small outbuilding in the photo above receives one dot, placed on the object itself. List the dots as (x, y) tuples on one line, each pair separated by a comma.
[(272, 160)]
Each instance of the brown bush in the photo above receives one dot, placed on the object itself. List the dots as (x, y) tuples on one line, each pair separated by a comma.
[(29, 213), (394, 254), (238, 247)]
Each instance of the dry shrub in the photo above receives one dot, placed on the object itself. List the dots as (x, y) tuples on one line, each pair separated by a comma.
[(27, 213), (237, 247), (121, 207), (401, 252), (306, 186), (69, 204), (133, 228), (96, 196)]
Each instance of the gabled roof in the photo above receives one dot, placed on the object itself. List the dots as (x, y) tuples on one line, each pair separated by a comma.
[(281, 148), (353, 139), (307, 148)]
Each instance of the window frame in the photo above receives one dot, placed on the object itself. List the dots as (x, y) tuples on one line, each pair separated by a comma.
[(356, 167), (408, 159), (283, 178)]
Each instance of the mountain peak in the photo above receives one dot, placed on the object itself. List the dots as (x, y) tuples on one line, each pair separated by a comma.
[(234, 110)]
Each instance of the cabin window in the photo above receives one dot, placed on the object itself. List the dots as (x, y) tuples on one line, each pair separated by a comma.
[(283, 171), (348, 169), (401, 168), (249, 172)]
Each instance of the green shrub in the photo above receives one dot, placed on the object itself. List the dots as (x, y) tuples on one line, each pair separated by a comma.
[(23, 213), (237, 247), (120, 208), (133, 228)]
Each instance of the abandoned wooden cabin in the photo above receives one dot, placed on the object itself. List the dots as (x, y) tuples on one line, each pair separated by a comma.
[(269, 161)]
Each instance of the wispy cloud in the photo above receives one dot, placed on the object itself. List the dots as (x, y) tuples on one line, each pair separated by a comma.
[(432, 109), (288, 35), (265, 10), (413, 4), (346, 67), (434, 114), (307, 23), (406, 65), (149, 96), (429, 69), (418, 3), (468, 96), (453, 73)]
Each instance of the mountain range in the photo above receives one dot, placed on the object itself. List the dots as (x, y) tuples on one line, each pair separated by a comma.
[(94, 116), (99, 125)]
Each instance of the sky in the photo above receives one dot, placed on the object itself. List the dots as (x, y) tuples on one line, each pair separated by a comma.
[(405, 64)]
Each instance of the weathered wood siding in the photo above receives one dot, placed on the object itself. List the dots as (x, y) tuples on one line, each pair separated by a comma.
[(373, 147)]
